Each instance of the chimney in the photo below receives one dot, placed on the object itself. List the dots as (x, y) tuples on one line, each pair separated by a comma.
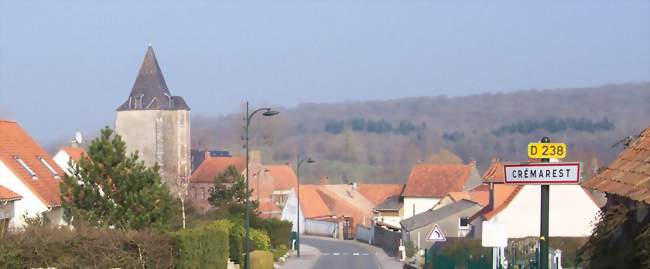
[(206, 155), (491, 201)]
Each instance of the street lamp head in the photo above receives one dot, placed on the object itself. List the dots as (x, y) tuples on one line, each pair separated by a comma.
[(269, 112)]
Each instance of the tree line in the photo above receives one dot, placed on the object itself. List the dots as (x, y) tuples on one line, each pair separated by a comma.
[(381, 126), (554, 125)]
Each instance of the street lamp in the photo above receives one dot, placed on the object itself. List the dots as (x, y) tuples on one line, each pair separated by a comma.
[(268, 112), (300, 161)]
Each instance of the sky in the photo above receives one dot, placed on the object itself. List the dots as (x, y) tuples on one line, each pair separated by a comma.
[(65, 66)]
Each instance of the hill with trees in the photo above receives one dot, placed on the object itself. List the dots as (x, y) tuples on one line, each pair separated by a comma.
[(378, 141)]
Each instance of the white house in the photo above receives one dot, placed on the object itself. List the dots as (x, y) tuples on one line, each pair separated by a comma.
[(67, 154), (428, 183), (27, 170), (572, 209), (7, 200)]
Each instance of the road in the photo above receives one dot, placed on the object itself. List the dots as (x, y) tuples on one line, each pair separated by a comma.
[(326, 253), (341, 255)]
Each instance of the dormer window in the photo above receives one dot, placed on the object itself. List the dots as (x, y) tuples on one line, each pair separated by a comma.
[(24, 165), (49, 167)]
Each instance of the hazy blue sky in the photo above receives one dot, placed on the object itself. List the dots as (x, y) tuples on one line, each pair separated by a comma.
[(66, 65)]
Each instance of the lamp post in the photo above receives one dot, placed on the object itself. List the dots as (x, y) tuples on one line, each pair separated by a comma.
[(300, 162), (268, 112)]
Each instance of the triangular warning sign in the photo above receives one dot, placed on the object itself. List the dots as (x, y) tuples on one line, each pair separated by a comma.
[(436, 234)]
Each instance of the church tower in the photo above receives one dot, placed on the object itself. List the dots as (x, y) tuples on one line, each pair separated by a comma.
[(156, 124)]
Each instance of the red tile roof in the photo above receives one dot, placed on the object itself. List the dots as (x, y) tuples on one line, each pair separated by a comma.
[(312, 202), (437, 180), (629, 174), (335, 200), (283, 177), (377, 193), (75, 153), (7, 195), (15, 142), (503, 195), (495, 173), (344, 200), (269, 209), (213, 166)]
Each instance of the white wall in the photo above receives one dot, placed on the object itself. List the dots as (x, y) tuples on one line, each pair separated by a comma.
[(571, 212), (419, 204), (29, 205), (390, 220), (61, 159), (289, 212)]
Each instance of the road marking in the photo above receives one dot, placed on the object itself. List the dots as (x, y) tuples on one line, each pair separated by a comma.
[(355, 254), (326, 254), (365, 254), (336, 254)]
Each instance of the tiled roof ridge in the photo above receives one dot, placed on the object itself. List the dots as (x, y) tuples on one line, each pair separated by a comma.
[(27, 139)]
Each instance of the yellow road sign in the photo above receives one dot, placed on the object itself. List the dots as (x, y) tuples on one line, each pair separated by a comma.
[(547, 150)]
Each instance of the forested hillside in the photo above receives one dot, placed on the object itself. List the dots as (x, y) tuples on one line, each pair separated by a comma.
[(378, 141)]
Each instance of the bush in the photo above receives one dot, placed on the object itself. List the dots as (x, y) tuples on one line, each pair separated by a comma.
[(279, 231), (410, 249), (236, 239), (259, 240), (280, 251), (206, 246), (85, 247), (261, 260)]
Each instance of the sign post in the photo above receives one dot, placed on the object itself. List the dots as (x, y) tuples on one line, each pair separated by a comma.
[(543, 231), (544, 174)]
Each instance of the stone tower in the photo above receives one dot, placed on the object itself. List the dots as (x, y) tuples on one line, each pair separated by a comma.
[(156, 124)]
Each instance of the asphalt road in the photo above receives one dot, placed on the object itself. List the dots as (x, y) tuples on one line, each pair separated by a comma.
[(336, 254)]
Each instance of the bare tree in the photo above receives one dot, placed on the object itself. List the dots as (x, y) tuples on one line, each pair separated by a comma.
[(181, 188)]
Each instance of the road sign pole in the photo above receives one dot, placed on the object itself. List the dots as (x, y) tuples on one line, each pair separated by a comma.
[(543, 233)]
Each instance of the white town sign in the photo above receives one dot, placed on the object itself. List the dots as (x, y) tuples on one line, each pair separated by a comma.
[(543, 173)]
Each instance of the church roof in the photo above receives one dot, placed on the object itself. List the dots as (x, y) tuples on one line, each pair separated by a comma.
[(150, 91)]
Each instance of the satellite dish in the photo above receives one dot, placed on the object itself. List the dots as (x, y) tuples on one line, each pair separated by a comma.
[(78, 138)]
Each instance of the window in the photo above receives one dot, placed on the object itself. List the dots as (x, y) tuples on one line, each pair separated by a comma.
[(463, 223), (202, 193), (24, 165), (49, 167)]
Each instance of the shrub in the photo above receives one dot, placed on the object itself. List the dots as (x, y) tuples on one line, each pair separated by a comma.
[(85, 247), (410, 249), (260, 240), (279, 231), (280, 251), (261, 260), (236, 239), (206, 246)]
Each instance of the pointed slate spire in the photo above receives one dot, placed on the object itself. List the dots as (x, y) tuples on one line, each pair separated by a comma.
[(150, 90)]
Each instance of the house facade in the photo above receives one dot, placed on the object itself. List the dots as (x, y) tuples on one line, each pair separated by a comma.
[(572, 209), (67, 155), (202, 180), (428, 183), (27, 170)]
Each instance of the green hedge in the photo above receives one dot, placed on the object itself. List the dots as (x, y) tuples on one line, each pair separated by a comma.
[(279, 231), (206, 246), (83, 247)]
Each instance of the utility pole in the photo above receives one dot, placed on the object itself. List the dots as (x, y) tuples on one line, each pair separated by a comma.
[(268, 112), (298, 164), (543, 232)]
